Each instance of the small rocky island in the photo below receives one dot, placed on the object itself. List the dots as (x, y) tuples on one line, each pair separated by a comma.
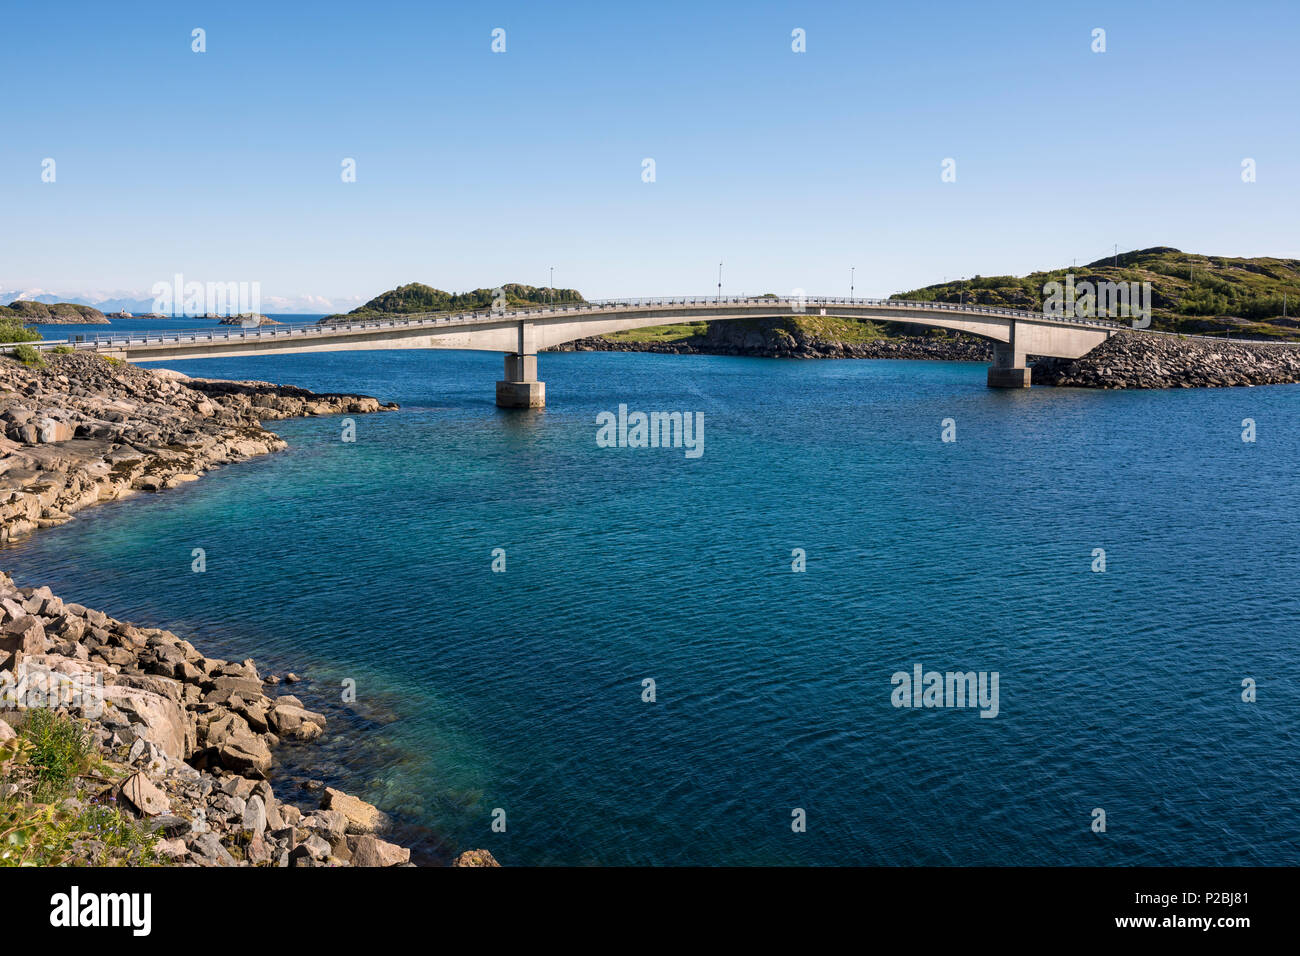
[(59, 313), (248, 321)]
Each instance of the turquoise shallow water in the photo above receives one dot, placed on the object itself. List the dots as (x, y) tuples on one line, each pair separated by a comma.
[(522, 690)]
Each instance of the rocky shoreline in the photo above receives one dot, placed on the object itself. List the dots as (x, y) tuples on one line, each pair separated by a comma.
[(184, 742), (83, 430)]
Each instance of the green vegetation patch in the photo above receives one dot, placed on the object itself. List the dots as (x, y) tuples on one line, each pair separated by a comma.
[(58, 749), (28, 355), (661, 333), (51, 819), (12, 329), (58, 834)]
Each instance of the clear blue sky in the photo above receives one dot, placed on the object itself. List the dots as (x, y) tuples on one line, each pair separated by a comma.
[(475, 168)]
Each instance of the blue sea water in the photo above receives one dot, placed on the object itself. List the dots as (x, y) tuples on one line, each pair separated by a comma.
[(1122, 690)]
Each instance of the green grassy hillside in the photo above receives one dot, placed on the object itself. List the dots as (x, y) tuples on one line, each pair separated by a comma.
[(1189, 292)]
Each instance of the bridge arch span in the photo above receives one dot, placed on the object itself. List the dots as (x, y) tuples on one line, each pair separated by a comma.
[(521, 333)]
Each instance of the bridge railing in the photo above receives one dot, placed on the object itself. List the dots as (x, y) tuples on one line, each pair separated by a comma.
[(801, 305)]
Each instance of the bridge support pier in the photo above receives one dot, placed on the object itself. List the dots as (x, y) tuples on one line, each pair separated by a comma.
[(520, 387), (1008, 369)]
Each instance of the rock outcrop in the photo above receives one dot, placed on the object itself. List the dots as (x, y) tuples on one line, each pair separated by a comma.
[(186, 741), (784, 338), (476, 858), (1155, 360), (250, 321), (83, 429)]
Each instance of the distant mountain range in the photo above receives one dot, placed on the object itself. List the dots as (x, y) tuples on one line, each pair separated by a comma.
[(118, 301)]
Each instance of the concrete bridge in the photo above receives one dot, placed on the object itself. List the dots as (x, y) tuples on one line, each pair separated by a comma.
[(521, 333)]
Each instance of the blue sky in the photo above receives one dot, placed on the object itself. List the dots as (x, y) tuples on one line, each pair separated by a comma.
[(475, 168)]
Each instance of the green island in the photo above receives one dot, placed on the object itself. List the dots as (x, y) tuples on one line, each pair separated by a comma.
[(417, 297)]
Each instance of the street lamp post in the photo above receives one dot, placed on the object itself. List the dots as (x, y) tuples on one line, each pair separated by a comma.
[(719, 281), (852, 270), (551, 291)]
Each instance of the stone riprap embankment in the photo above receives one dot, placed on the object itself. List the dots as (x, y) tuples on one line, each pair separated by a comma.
[(1152, 360), (184, 742), (82, 430)]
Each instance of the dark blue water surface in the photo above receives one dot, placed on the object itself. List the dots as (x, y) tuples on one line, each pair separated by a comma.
[(522, 690)]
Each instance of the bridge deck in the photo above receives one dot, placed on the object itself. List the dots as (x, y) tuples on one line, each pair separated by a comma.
[(691, 307)]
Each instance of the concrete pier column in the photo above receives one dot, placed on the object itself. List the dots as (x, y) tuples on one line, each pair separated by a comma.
[(520, 387), (1008, 369)]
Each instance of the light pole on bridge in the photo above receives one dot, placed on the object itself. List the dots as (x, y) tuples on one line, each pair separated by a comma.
[(550, 294), (719, 281), (852, 270)]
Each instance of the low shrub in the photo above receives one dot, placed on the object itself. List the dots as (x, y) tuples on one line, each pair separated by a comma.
[(59, 750)]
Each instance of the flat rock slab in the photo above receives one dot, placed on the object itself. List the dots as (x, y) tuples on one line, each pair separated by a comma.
[(146, 798), (361, 817)]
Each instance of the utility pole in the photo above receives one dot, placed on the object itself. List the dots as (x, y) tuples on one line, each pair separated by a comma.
[(1117, 255)]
